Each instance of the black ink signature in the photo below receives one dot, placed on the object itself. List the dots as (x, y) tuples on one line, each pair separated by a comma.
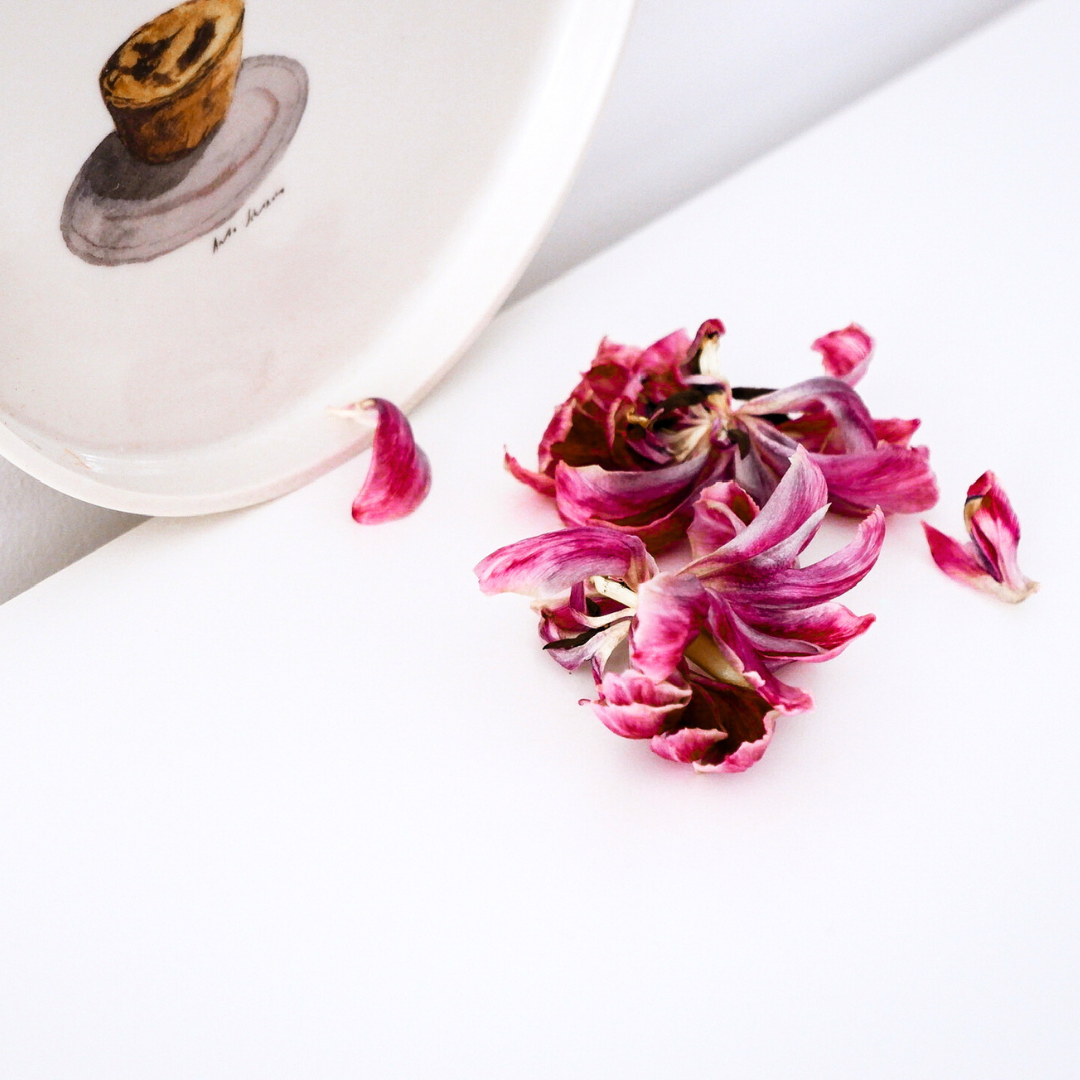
[(251, 214)]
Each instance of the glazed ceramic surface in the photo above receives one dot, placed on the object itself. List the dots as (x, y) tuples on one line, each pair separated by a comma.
[(173, 335)]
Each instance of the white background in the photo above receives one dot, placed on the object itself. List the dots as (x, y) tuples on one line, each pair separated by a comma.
[(704, 87)]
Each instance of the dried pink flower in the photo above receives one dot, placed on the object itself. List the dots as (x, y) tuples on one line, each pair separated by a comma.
[(646, 430), (988, 561), (705, 641)]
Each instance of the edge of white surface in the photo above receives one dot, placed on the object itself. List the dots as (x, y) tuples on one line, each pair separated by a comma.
[(503, 232)]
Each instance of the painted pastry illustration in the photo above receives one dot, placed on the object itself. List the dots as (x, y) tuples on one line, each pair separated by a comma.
[(197, 130), (170, 84)]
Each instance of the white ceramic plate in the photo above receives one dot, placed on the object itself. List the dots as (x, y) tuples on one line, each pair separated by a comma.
[(178, 353)]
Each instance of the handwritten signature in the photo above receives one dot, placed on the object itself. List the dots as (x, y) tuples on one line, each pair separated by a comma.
[(250, 215)]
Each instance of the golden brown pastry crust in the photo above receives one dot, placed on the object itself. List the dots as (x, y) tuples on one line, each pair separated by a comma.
[(170, 84)]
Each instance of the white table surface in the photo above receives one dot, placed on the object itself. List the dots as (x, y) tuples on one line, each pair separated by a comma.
[(283, 797)]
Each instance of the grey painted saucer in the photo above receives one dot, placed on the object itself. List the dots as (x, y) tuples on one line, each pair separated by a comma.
[(122, 210)]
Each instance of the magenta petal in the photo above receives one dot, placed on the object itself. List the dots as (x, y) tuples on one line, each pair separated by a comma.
[(960, 561), (995, 531), (896, 478), (897, 432), (399, 476), (636, 707), (536, 480), (589, 492), (805, 586), (728, 632), (784, 525), (749, 753), (652, 504), (721, 512), (855, 426), (809, 635), (548, 564), (687, 745), (989, 562), (671, 613), (845, 354)]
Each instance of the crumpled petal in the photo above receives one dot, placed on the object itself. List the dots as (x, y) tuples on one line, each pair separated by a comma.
[(854, 425), (548, 564), (399, 476), (671, 612), (635, 706), (807, 586), (896, 478), (846, 354), (591, 427), (988, 562), (723, 728), (654, 505), (808, 635), (782, 528), (721, 512)]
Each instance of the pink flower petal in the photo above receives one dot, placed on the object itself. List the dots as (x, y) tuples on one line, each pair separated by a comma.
[(536, 480), (801, 587), (548, 564), (728, 633), (960, 561), (855, 427), (636, 707), (721, 512), (654, 505), (896, 478), (671, 613), (687, 745), (897, 432), (784, 525), (399, 476), (845, 354), (989, 561), (809, 635)]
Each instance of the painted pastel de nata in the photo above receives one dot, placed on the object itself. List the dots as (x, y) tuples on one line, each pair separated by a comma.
[(169, 85)]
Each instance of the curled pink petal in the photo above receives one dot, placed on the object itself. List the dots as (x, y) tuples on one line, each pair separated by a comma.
[(399, 476), (854, 425), (634, 706), (896, 478), (897, 432), (721, 512), (549, 564), (808, 635), (654, 505), (988, 562), (536, 480), (806, 586), (671, 612), (845, 354), (784, 525)]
